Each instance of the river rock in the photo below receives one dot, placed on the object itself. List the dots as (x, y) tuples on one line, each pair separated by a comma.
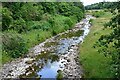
[(68, 60), (29, 62), (71, 50)]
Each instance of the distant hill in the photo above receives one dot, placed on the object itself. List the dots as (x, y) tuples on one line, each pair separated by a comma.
[(101, 5)]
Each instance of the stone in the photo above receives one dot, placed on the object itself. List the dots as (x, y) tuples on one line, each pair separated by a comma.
[(68, 60), (65, 57), (61, 66), (70, 75), (28, 73), (71, 50), (29, 62), (58, 71)]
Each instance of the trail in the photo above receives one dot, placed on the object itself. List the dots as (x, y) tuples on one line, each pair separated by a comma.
[(59, 53)]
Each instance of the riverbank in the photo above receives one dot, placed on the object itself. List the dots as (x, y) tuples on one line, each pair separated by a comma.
[(95, 65), (59, 53)]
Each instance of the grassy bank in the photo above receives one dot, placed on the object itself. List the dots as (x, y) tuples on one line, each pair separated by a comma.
[(34, 36), (95, 65)]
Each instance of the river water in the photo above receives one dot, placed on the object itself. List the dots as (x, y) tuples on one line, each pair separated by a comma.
[(50, 68)]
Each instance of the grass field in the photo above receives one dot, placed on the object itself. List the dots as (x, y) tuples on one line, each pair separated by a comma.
[(95, 64)]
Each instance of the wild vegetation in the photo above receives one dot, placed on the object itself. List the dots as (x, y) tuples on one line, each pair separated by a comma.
[(101, 58), (95, 65), (25, 24), (109, 44)]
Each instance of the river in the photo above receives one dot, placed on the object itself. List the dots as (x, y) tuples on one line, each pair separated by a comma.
[(57, 54)]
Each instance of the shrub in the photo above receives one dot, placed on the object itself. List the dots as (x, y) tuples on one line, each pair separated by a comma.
[(19, 25), (91, 21), (59, 75), (68, 21), (43, 25), (98, 13), (13, 44), (60, 24)]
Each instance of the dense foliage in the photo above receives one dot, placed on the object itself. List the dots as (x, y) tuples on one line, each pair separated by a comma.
[(100, 5), (16, 15), (110, 44), (32, 22)]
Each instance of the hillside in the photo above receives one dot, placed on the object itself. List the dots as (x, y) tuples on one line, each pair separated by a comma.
[(101, 5)]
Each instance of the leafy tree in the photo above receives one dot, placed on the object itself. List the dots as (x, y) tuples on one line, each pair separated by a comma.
[(77, 12), (79, 5), (100, 5), (19, 25), (64, 8), (31, 11), (15, 8), (49, 7), (6, 19)]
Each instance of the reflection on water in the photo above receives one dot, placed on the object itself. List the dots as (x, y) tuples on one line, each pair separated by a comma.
[(49, 70)]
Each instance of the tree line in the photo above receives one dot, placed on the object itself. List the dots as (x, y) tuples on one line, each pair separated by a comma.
[(101, 5)]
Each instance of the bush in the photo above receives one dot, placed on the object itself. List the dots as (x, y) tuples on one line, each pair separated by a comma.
[(68, 21), (74, 18), (61, 23), (98, 13), (19, 25), (78, 12), (13, 44), (43, 25)]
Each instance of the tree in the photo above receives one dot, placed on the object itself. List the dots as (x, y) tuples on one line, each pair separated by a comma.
[(19, 25), (6, 18), (49, 7), (31, 11)]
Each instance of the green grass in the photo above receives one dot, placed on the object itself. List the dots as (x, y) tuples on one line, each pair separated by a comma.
[(95, 64), (31, 38), (35, 37), (5, 58)]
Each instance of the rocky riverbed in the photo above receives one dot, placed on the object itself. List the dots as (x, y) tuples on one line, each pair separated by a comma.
[(59, 53)]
